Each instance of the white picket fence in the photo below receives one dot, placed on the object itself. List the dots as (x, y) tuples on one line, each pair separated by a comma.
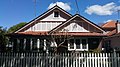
[(59, 59)]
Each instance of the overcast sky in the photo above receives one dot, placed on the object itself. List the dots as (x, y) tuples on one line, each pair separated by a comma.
[(15, 11)]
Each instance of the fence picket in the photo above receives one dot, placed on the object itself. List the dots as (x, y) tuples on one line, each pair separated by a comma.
[(115, 59), (98, 59), (118, 60), (106, 56)]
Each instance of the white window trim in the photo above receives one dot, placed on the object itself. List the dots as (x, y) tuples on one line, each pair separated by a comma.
[(81, 49)]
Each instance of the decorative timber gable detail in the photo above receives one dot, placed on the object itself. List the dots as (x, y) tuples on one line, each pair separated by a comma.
[(46, 17), (80, 23)]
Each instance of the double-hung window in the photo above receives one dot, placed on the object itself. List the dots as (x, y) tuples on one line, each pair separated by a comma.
[(78, 44)]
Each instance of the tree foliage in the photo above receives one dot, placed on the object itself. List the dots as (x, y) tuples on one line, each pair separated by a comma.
[(16, 27), (3, 38), (3, 32)]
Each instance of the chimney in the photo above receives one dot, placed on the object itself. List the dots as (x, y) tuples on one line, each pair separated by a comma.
[(118, 27)]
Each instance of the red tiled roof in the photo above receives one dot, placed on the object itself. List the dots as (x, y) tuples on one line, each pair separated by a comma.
[(112, 32), (62, 33), (117, 34), (110, 24), (81, 34), (32, 33)]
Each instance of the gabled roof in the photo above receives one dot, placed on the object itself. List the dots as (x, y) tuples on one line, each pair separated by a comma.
[(110, 24), (41, 16), (81, 17)]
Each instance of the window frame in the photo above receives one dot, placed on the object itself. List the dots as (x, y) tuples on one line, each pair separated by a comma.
[(81, 45), (70, 44)]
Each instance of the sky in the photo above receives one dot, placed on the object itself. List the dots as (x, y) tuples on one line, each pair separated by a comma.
[(13, 12)]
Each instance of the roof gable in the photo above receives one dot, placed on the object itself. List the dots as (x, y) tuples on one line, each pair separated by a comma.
[(81, 21), (44, 15)]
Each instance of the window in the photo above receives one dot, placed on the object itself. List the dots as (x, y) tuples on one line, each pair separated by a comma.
[(28, 44), (107, 44), (56, 14), (71, 42), (84, 44), (34, 45), (21, 44), (41, 43), (78, 44)]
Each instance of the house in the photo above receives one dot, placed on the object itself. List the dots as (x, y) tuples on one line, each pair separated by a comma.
[(57, 30), (113, 39)]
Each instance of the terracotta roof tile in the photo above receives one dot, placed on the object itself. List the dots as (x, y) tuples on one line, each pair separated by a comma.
[(112, 32), (117, 34), (81, 34), (110, 24), (32, 33), (62, 33)]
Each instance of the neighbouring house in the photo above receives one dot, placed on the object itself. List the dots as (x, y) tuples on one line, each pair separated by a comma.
[(58, 30), (113, 39)]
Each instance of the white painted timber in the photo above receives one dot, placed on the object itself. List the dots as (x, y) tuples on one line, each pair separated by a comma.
[(43, 26), (38, 43), (118, 27), (74, 27), (52, 18), (45, 44)]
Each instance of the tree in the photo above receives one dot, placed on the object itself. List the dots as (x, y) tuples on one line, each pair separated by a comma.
[(15, 27), (3, 38), (59, 40)]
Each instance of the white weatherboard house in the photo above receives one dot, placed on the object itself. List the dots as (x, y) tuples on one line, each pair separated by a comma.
[(57, 28)]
